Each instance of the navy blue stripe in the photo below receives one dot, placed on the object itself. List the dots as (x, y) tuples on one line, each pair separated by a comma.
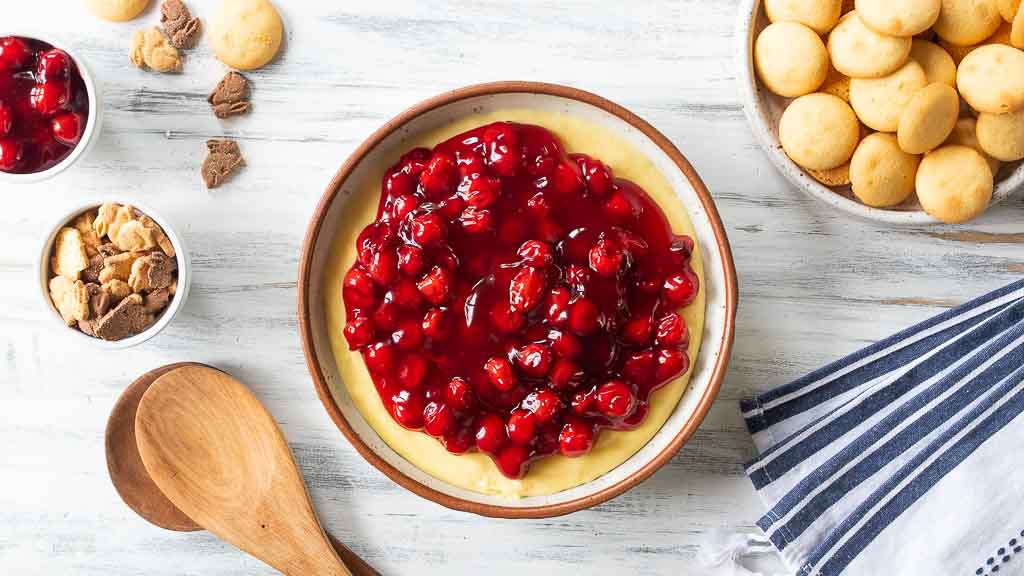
[(885, 396), (920, 485), (891, 340), (865, 373), (898, 444)]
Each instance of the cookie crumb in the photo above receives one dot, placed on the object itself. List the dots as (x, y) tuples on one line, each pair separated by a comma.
[(179, 25), (223, 159), (231, 96)]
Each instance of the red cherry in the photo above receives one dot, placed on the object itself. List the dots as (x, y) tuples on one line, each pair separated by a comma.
[(544, 404), (52, 65), (460, 442), (567, 179), (671, 363), (597, 176), (379, 357), (436, 285), (534, 360), (521, 427), (358, 332), (576, 438), (606, 257), (405, 294), (526, 289), (672, 331), (358, 289), (14, 53), (49, 98), (490, 434), (10, 154), (67, 127), (504, 153), (403, 205), (506, 320), (428, 229), (619, 207), (458, 395), (410, 260), (639, 368), (438, 177), (536, 253), (538, 204), (451, 207), (438, 419), (407, 408), (578, 277), (637, 330), (615, 399), (483, 191), (499, 373), (435, 323), (385, 317), (583, 401), (6, 118), (565, 374), (512, 461), (409, 335), (383, 265), (565, 344), (584, 316), (556, 306), (680, 289), (470, 163), (476, 221), (411, 371)]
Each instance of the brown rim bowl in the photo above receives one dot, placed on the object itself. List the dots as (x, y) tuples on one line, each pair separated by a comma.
[(720, 288)]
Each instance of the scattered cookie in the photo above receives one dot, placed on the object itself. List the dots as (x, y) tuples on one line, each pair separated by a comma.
[(991, 79), (899, 17), (151, 49), (818, 15), (246, 34), (860, 52), (117, 10), (928, 119), (967, 22), (804, 122), (222, 160), (129, 262), (1002, 135), (954, 184), (938, 65), (231, 96), (790, 59), (881, 174), (965, 133), (880, 102), (181, 28)]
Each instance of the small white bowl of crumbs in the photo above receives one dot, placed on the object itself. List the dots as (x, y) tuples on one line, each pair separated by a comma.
[(114, 273)]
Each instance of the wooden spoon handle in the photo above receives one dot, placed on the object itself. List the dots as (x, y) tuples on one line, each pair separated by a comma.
[(356, 565)]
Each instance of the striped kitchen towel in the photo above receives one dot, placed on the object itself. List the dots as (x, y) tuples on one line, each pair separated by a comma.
[(905, 458)]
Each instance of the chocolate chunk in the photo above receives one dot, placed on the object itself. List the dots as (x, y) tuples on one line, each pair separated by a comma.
[(181, 28), (107, 250), (223, 160), (92, 273), (156, 300), (100, 300), (161, 270), (88, 327), (231, 96), (128, 318)]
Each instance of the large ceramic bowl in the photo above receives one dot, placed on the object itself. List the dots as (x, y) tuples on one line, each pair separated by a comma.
[(763, 110), (384, 146)]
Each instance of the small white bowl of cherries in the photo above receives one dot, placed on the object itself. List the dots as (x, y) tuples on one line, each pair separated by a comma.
[(49, 108)]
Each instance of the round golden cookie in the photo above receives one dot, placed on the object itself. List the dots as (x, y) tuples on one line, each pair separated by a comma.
[(991, 79), (819, 131), (965, 133), (860, 52), (1008, 9), (881, 174), (1001, 136), (818, 15), (937, 63), (954, 184), (836, 84), (967, 22), (790, 59), (880, 102), (899, 17), (928, 119), (836, 177), (117, 10), (245, 34)]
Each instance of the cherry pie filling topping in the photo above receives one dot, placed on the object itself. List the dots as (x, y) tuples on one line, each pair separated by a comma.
[(516, 300), (43, 105)]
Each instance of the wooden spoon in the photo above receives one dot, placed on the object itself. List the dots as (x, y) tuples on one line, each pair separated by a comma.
[(216, 453)]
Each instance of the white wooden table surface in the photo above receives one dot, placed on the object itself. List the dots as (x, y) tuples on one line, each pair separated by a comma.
[(814, 284)]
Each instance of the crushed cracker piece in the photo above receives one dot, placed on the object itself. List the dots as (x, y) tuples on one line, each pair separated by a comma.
[(69, 258), (151, 49)]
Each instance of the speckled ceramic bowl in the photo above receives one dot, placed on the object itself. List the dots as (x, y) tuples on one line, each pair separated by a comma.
[(720, 289), (763, 110)]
